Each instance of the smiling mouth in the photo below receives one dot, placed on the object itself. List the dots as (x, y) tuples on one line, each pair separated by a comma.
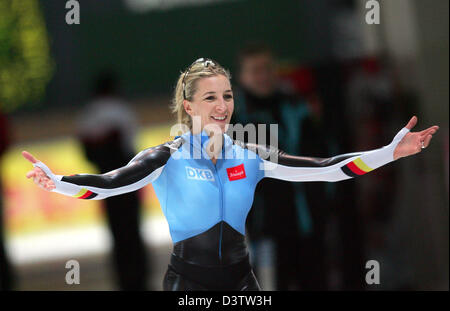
[(219, 118)]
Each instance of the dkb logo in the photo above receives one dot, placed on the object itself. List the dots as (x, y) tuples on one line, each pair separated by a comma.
[(199, 174)]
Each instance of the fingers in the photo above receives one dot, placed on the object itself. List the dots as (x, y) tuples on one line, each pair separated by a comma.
[(428, 131), (411, 123), (37, 180), (50, 186), (427, 140), (424, 135), (427, 135), (44, 182), (39, 177), (29, 157), (35, 172), (31, 173)]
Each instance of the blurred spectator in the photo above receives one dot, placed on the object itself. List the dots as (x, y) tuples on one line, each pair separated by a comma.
[(106, 129), (6, 277), (281, 210)]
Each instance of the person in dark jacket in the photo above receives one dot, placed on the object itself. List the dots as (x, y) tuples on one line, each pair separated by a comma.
[(106, 129)]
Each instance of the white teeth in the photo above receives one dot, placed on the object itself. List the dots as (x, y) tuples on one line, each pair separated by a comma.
[(219, 118)]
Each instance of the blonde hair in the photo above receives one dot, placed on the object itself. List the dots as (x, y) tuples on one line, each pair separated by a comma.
[(196, 72)]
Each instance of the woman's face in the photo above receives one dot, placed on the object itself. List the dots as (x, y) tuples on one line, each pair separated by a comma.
[(212, 103)]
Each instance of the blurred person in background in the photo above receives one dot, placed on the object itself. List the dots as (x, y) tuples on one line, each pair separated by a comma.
[(287, 214), (106, 130), (6, 275)]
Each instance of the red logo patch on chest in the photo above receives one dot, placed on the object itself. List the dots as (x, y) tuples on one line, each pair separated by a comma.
[(237, 172)]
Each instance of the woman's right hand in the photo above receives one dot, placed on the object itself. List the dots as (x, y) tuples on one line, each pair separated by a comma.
[(38, 175)]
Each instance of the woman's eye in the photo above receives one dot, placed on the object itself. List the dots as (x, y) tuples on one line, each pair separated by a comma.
[(228, 97), (210, 98)]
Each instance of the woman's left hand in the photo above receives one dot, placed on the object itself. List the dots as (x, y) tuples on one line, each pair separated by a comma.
[(414, 142)]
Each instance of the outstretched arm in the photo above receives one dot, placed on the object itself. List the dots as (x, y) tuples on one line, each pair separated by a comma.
[(341, 167), (144, 168)]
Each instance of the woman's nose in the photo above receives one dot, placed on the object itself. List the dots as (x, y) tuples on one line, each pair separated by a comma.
[(221, 106)]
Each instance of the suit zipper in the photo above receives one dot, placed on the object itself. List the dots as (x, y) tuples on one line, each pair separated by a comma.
[(221, 212)]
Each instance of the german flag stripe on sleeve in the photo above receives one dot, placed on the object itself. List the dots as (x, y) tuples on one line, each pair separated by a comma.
[(85, 194), (356, 168)]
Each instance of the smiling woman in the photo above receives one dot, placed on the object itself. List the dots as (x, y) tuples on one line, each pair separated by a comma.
[(214, 106), (204, 104), (206, 199)]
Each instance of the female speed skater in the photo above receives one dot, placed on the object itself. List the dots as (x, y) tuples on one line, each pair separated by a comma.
[(205, 181)]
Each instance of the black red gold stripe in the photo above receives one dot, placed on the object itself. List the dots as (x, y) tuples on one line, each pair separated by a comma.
[(85, 194), (356, 168)]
